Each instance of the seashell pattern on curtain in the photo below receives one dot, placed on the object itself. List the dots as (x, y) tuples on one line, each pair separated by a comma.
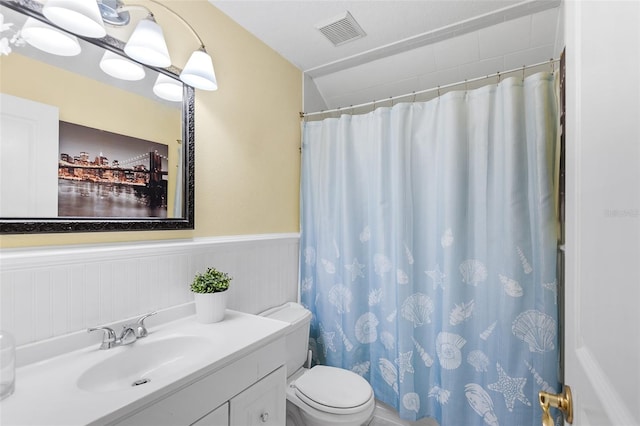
[(428, 251)]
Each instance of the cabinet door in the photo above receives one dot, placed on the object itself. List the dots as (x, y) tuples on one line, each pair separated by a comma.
[(262, 404), (218, 417)]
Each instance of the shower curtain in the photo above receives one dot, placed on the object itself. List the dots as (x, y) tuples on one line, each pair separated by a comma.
[(428, 251)]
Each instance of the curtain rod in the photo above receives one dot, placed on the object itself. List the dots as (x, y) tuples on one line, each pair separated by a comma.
[(433, 89)]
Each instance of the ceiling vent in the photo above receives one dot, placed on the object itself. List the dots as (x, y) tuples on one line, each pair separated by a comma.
[(341, 29)]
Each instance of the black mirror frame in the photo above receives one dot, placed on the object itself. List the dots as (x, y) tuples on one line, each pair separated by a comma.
[(81, 224)]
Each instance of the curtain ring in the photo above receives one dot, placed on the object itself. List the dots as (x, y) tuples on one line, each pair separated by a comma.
[(523, 68), (414, 96), (374, 105), (466, 86), (499, 76), (391, 99), (438, 91), (351, 109)]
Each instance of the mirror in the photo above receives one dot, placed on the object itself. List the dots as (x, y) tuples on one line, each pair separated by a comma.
[(81, 150)]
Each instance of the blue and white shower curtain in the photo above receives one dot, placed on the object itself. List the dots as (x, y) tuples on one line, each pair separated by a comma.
[(428, 251)]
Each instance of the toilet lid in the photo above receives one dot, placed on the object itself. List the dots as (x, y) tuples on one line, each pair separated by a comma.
[(332, 389)]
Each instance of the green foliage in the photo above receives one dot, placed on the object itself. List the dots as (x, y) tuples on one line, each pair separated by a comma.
[(211, 281)]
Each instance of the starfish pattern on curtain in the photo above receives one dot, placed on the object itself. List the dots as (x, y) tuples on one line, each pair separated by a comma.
[(428, 251)]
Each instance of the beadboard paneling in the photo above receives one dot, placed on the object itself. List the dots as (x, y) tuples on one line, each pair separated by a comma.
[(49, 292)]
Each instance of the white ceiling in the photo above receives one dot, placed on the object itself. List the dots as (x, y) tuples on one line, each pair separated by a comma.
[(410, 45)]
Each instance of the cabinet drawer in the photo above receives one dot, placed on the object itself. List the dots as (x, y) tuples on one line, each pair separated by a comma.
[(262, 404), (218, 417)]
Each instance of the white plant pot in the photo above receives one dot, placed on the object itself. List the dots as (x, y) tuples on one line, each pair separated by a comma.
[(210, 307)]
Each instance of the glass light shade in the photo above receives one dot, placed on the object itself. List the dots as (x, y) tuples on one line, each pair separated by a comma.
[(168, 88), (49, 39), (120, 67), (80, 17), (199, 71), (147, 45)]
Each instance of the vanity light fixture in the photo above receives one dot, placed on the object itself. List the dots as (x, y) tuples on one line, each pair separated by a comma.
[(199, 71), (145, 45), (168, 88), (120, 67), (49, 39), (80, 17)]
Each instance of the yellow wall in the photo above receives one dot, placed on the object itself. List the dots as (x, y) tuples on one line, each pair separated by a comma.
[(88, 102), (247, 136)]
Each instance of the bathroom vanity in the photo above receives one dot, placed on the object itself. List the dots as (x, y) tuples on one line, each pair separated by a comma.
[(182, 373)]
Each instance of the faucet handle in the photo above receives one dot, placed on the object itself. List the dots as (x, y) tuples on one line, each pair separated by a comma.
[(109, 338), (141, 330)]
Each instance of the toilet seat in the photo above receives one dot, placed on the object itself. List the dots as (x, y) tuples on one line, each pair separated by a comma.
[(333, 390)]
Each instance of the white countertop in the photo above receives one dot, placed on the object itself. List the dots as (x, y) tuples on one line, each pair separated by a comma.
[(46, 392)]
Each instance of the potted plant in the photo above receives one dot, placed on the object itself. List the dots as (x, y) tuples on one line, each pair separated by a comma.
[(210, 292)]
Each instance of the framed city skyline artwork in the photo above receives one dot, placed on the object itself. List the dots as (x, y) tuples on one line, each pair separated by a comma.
[(104, 174)]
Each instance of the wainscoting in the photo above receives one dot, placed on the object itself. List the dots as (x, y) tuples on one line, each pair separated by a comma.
[(53, 291)]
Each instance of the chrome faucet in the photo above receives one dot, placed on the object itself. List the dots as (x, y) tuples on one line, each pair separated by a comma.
[(129, 334), (109, 339), (141, 330)]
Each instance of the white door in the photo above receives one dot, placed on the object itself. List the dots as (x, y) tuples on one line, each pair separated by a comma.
[(28, 158), (602, 317)]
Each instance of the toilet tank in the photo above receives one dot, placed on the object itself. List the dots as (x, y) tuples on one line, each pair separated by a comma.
[(297, 334)]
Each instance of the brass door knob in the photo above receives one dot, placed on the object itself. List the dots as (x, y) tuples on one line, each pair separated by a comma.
[(561, 401)]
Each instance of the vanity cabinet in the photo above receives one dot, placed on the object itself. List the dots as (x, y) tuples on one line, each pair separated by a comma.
[(247, 391), (263, 404)]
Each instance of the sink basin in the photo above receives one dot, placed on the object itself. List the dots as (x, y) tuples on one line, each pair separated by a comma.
[(74, 383), (145, 362)]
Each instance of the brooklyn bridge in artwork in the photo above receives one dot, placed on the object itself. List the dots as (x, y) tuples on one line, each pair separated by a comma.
[(103, 174)]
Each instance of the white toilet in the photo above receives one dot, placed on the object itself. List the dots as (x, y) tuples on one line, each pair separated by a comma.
[(320, 396)]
